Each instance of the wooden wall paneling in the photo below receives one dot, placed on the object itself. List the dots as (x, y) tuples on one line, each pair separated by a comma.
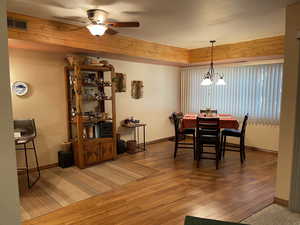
[(265, 47), (57, 33), (42, 31)]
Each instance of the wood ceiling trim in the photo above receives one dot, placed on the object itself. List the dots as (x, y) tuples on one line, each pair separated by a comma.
[(265, 47), (52, 32), (60, 34)]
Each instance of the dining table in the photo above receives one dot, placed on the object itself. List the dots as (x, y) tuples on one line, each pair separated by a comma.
[(226, 120)]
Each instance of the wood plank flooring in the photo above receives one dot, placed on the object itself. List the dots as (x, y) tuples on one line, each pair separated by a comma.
[(169, 191), (59, 187)]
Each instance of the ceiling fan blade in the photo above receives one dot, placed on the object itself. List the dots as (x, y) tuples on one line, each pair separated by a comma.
[(73, 19), (111, 31), (123, 24)]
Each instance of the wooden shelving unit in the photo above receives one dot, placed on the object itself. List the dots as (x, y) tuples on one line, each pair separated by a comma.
[(91, 107)]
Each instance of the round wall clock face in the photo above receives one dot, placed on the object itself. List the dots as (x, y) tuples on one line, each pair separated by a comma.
[(20, 88)]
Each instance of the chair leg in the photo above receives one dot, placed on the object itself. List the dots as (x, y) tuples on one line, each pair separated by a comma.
[(241, 152), (220, 148), (199, 151), (37, 163), (194, 146), (217, 155), (27, 168), (176, 147), (224, 146), (244, 150)]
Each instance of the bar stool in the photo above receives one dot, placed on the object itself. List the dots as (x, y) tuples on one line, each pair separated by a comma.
[(28, 134)]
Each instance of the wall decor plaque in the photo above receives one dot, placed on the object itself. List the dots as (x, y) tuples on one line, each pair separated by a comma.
[(137, 89), (120, 80)]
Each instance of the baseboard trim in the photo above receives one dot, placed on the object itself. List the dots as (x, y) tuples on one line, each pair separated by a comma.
[(280, 201), (158, 140), (32, 170), (251, 148)]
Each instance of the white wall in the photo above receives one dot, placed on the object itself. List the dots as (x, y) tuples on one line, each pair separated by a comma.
[(9, 197), (161, 97), (46, 101), (44, 72), (265, 137)]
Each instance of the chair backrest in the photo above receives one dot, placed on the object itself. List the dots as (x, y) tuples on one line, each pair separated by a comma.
[(176, 119), (212, 111), (245, 124), (26, 127), (208, 126)]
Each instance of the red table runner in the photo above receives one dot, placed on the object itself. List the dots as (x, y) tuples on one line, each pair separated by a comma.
[(226, 121)]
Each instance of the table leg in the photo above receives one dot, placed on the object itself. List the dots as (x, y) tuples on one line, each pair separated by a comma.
[(138, 137), (144, 132)]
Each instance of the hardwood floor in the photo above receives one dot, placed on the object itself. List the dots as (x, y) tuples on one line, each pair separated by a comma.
[(175, 190), (59, 187)]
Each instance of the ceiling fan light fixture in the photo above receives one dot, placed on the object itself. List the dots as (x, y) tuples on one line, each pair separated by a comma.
[(97, 29)]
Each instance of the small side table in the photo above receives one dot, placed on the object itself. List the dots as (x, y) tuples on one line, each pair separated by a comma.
[(141, 146)]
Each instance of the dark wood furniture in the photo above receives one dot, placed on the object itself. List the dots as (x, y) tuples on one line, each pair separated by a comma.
[(208, 135), (136, 135), (179, 142), (27, 131), (91, 106), (191, 220), (238, 134)]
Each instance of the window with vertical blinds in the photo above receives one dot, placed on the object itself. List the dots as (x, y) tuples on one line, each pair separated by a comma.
[(254, 89)]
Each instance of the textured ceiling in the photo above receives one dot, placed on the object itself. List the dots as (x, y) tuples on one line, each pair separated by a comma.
[(182, 23)]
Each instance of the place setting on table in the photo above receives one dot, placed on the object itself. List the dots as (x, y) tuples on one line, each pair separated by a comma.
[(209, 128)]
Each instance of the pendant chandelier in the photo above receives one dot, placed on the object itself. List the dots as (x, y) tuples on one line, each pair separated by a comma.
[(210, 76)]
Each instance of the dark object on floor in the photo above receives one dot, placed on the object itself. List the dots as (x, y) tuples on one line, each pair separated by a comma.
[(208, 135), (191, 220), (121, 146), (179, 133), (65, 159), (27, 131), (131, 147), (238, 134)]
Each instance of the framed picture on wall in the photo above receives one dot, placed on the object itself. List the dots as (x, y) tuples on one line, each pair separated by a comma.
[(120, 81), (137, 89)]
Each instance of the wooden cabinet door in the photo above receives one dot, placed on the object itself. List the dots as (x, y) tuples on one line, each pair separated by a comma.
[(107, 150), (92, 153)]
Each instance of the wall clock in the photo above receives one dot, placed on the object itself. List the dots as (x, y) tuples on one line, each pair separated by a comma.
[(20, 88)]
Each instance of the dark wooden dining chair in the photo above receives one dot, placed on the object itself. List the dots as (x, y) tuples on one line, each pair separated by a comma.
[(238, 134), (208, 135), (212, 111), (179, 143)]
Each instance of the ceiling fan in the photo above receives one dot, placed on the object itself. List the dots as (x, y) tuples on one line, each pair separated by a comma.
[(98, 24)]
